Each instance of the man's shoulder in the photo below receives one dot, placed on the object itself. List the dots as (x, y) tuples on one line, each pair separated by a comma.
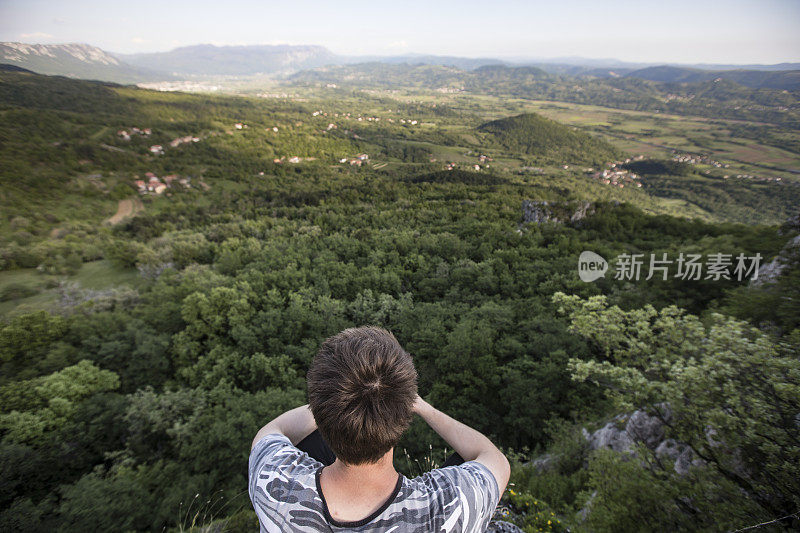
[(461, 497), (276, 451), (270, 442), (283, 486), (470, 480)]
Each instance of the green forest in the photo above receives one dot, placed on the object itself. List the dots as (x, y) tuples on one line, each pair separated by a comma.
[(140, 353)]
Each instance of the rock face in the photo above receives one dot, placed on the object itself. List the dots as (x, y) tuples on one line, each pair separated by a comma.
[(680, 453), (770, 272), (559, 212), (535, 212), (75, 60), (544, 463), (623, 432), (18, 52)]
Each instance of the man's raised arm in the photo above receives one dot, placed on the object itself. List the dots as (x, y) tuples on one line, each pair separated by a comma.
[(296, 425), (470, 444)]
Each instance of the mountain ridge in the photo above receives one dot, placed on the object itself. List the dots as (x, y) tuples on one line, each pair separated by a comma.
[(205, 59), (74, 60), (79, 60)]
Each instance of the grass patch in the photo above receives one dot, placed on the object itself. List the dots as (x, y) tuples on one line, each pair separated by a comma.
[(28, 290)]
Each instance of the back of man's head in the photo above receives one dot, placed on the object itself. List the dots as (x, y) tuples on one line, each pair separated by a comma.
[(361, 390)]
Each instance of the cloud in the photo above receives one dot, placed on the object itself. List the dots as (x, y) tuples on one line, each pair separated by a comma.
[(35, 36), (139, 40)]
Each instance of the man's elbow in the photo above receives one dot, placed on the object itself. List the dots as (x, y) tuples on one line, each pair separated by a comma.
[(502, 470), (504, 473), (498, 465)]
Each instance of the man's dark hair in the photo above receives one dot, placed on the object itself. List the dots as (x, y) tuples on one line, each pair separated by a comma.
[(361, 390)]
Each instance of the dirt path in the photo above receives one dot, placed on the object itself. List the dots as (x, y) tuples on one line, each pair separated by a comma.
[(126, 208)]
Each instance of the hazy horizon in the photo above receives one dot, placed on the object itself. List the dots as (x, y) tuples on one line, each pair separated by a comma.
[(645, 32)]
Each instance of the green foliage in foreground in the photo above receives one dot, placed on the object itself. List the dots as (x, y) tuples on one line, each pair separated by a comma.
[(725, 389)]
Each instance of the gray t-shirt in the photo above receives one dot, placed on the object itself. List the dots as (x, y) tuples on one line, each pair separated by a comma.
[(284, 489)]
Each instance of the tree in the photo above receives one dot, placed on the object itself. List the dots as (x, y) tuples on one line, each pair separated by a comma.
[(25, 341), (725, 389), (32, 408)]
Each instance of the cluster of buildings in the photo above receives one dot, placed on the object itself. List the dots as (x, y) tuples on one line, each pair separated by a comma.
[(183, 86), (152, 183), (617, 176), (452, 166), (356, 161), (294, 159), (698, 160), (755, 178), (126, 135), (157, 149), (535, 170), (275, 95), (705, 160), (362, 118), (180, 140)]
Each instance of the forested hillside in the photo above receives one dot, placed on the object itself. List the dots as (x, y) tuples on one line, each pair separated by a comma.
[(140, 354), (536, 135), (712, 98)]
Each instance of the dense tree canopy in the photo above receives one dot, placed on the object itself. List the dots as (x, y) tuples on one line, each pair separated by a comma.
[(139, 358)]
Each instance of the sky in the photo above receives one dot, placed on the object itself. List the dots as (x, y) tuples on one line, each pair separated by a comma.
[(676, 31)]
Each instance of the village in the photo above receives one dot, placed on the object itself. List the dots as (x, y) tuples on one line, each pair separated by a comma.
[(484, 159), (155, 185), (697, 160), (126, 135), (704, 160), (615, 175), (156, 149)]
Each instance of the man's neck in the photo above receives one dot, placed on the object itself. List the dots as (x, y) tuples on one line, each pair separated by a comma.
[(353, 492), (367, 476)]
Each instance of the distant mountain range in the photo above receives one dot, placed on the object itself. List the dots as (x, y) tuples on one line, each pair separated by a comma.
[(75, 61), (207, 59), (785, 79), (204, 60)]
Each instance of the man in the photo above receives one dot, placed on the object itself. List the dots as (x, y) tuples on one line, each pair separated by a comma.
[(327, 466)]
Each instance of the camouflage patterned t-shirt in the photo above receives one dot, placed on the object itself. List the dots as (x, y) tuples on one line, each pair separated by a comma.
[(284, 489)]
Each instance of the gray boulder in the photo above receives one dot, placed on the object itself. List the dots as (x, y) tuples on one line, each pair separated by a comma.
[(625, 431), (770, 272), (500, 526)]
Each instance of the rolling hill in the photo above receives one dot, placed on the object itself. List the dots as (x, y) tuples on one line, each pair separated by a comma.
[(546, 139)]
